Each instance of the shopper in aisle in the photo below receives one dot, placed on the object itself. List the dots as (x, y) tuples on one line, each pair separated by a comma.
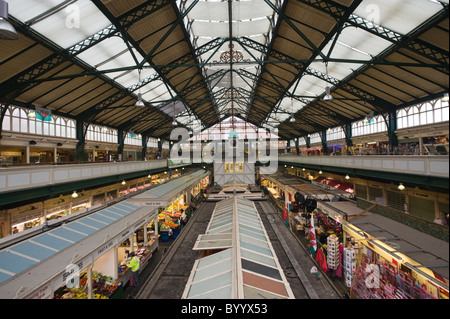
[(134, 264)]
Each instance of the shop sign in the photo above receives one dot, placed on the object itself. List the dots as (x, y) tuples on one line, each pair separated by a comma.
[(104, 248), (43, 293), (71, 274), (330, 212), (155, 204)]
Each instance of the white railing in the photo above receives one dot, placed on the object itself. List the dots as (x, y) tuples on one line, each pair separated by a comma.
[(34, 176), (417, 165)]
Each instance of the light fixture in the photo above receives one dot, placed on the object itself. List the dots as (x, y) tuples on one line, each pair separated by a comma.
[(174, 123), (140, 102), (304, 169), (74, 195), (347, 177), (292, 120), (328, 97), (124, 183), (320, 172), (7, 31), (32, 115), (401, 187)]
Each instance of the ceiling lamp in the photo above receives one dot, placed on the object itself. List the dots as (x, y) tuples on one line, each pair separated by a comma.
[(174, 123), (320, 172), (292, 120), (401, 187), (74, 195), (445, 98), (7, 31), (347, 177), (140, 102), (328, 97)]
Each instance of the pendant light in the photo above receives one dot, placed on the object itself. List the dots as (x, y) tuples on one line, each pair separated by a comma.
[(7, 31), (140, 102), (328, 97), (292, 120), (174, 123)]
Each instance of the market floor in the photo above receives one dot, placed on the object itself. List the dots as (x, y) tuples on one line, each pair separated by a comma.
[(167, 273), (169, 268)]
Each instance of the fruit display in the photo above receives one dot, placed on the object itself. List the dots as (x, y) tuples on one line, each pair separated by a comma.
[(103, 287), (171, 224)]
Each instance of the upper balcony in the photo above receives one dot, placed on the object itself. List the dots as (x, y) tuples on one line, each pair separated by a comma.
[(15, 181), (429, 171)]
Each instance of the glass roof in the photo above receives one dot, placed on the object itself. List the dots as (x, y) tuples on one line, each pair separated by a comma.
[(236, 227), (67, 23), (20, 257)]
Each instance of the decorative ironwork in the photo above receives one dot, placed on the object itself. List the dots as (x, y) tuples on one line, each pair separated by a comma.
[(232, 56)]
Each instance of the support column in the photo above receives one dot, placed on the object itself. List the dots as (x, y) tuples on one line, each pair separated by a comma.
[(348, 136), (89, 282), (27, 154), (155, 221), (145, 235), (132, 242), (323, 137), (120, 141), (420, 145), (392, 127), (144, 147)]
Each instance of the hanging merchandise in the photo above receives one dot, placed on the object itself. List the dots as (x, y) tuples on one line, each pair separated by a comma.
[(350, 265), (333, 252), (321, 260)]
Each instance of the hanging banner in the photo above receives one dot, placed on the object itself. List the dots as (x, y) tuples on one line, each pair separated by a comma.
[(312, 236), (43, 114)]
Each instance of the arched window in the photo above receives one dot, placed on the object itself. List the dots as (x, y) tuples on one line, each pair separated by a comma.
[(402, 119), (7, 120)]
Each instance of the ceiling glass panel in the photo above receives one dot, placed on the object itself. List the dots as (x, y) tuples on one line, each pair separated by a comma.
[(401, 16)]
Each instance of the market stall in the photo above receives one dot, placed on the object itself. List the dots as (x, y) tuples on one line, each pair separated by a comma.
[(392, 274)]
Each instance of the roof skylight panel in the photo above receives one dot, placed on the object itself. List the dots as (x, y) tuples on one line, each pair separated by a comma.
[(64, 25), (401, 16)]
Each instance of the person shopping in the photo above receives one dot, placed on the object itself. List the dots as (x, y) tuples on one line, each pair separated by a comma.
[(134, 264)]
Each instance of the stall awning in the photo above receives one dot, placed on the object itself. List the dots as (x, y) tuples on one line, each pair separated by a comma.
[(248, 268), (20, 257), (162, 195)]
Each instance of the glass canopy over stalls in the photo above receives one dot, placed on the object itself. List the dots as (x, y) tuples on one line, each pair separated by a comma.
[(242, 263), (264, 61)]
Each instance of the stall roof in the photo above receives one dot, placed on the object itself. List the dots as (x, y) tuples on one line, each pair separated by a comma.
[(166, 191), (248, 268), (20, 257), (309, 189)]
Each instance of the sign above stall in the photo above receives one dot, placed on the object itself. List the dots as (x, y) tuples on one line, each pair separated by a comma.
[(154, 203), (331, 212)]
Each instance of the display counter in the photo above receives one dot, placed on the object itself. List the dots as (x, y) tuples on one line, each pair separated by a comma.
[(143, 252)]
